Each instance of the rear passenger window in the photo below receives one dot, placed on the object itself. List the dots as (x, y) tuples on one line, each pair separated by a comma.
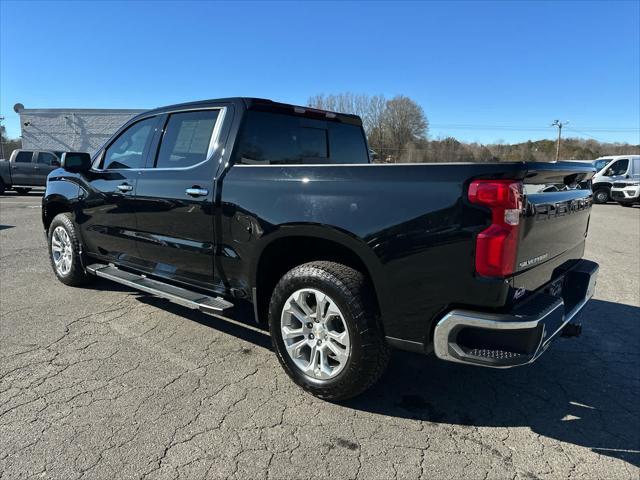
[(46, 158), (186, 139), (275, 139), (24, 157)]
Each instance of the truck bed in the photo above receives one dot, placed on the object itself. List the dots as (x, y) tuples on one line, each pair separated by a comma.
[(414, 226)]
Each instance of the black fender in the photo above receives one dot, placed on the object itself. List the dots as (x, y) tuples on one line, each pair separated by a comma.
[(62, 194), (322, 232)]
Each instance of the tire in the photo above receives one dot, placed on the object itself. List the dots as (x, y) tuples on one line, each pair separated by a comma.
[(348, 292), (64, 234), (22, 191), (601, 195), (626, 204), (3, 187)]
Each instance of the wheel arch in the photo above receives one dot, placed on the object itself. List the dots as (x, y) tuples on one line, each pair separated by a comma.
[(292, 246), (599, 185), (54, 205), (62, 195)]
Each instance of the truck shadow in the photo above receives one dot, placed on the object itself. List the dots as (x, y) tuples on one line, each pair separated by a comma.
[(240, 324), (583, 391)]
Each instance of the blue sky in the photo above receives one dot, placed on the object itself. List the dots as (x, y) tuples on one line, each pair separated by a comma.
[(482, 71)]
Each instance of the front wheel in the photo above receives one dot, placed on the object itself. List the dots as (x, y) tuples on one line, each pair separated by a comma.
[(601, 195), (626, 204), (65, 251), (22, 191), (325, 330)]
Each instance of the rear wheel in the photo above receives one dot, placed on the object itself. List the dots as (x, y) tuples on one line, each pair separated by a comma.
[(325, 330), (22, 191), (65, 251), (601, 195)]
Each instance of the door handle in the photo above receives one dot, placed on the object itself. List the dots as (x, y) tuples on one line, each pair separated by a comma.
[(196, 192), (125, 187)]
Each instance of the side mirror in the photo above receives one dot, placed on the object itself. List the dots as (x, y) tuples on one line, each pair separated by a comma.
[(76, 161), (55, 163)]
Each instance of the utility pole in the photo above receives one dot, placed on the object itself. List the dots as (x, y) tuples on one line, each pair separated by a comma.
[(559, 124), (1, 138)]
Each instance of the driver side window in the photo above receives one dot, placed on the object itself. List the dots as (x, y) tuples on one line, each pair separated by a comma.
[(619, 168), (129, 149)]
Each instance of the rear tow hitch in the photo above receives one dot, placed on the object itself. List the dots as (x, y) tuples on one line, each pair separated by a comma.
[(572, 330)]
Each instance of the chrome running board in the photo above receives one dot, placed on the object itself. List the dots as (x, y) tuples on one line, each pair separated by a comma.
[(181, 296)]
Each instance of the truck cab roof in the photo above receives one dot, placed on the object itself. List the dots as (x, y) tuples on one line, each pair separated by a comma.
[(263, 104)]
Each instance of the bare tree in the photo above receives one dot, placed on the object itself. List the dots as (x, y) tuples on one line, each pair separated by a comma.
[(373, 120), (370, 109), (392, 126), (8, 145), (405, 122)]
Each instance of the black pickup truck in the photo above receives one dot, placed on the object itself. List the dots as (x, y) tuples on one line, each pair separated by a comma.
[(27, 169), (239, 202)]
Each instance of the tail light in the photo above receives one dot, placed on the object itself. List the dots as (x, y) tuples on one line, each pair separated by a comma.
[(496, 246)]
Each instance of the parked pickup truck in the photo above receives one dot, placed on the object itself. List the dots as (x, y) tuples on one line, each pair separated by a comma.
[(223, 204), (27, 169)]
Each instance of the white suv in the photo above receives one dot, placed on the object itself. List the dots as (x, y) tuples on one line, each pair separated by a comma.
[(617, 174)]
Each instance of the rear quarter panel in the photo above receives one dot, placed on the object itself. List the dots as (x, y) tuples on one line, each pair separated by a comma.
[(410, 224)]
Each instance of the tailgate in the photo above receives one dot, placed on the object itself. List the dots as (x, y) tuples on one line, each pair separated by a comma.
[(557, 206)]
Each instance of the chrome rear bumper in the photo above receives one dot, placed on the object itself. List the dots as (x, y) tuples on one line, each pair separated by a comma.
[(503, 340)]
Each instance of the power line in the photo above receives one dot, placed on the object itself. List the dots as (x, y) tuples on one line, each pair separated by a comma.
[(586, 134), (591, 136), (463, 126)]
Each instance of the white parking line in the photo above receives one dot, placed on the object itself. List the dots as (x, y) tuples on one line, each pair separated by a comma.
[(23, 200)]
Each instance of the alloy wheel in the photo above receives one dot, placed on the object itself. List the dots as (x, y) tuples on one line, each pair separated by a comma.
[(61, 250), (315, 334)]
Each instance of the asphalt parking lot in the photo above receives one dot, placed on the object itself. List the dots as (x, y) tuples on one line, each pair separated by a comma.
[(105, 382)]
